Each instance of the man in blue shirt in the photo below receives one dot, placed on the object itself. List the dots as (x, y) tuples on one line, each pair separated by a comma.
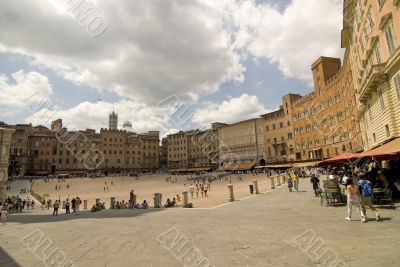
[(365, 188)]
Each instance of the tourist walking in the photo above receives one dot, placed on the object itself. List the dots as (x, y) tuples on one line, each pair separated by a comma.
[(365, 188), (290, 184), (315, 183), (77, 204), (67, 205), (56, 205), (197, 190), (191, 190), (353, 198), (296, 181), (73, 205)]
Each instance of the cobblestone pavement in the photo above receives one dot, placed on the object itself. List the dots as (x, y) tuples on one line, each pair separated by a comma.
[(277, 228)]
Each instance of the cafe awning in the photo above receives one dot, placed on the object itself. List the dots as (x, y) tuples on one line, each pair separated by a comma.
[(245, 166), (198, 169), (306, 164), (280, 166), (388, 150), (339, 159)]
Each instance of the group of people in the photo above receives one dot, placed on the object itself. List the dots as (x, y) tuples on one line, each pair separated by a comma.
[(203, 187), (359, 195), (359, 187), (293, 181), (169, 203), (17, 204), (73, 204), (98, 206)]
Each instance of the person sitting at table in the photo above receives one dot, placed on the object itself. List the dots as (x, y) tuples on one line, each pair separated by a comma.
[(396, 188), (381, 180)]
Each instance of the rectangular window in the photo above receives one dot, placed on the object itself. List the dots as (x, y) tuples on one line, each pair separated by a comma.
[(391, 43), (397, 85), (370, 112), (370, 19), (381, 100), (362, 43), (387, 130), (374, 137), (366, 37), (377, 52)]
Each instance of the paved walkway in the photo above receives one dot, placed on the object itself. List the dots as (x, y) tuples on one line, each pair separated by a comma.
[(272, 229)]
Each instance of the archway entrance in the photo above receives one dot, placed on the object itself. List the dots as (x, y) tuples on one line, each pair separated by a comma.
[(263, 162)]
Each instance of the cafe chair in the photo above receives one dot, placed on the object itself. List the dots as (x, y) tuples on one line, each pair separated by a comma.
[(387, 198)]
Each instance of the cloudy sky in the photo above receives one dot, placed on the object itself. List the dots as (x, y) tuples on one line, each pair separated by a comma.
[(161, 64)]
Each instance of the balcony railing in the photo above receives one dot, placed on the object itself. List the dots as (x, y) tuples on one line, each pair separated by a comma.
[(375, 76)]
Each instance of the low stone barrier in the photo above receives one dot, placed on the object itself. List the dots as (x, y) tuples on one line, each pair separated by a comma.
[(185, 198), (278, 180), (112, 200), (231, 196), (255, 183), (157, 200)]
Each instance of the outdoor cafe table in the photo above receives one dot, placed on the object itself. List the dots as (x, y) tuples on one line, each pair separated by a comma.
[(377, 193)]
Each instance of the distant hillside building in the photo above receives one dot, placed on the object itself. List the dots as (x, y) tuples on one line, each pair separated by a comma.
[(127, 126)]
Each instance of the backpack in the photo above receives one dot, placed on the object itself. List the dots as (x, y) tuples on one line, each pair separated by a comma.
[(366, 189)]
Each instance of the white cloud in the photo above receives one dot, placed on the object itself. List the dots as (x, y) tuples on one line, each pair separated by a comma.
[(25, 91), (230, 111), (149, 51), (294, 39), (95, 116)]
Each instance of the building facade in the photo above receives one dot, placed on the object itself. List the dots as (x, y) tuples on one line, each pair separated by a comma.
[(164, 153), (242, 142), (193, 149), (278, 132), (371, 35), (42, 151), (324, 121)]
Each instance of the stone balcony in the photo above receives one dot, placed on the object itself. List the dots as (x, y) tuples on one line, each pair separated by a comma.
[(375, 76)]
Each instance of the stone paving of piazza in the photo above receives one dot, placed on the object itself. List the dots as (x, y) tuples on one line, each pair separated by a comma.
[(276, 228)]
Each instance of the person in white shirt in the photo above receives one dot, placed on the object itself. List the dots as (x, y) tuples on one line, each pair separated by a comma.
[(3, 216), (345, 179)]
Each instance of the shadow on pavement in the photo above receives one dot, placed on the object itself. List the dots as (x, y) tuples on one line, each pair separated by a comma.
[(27, 218), (6, 260)]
